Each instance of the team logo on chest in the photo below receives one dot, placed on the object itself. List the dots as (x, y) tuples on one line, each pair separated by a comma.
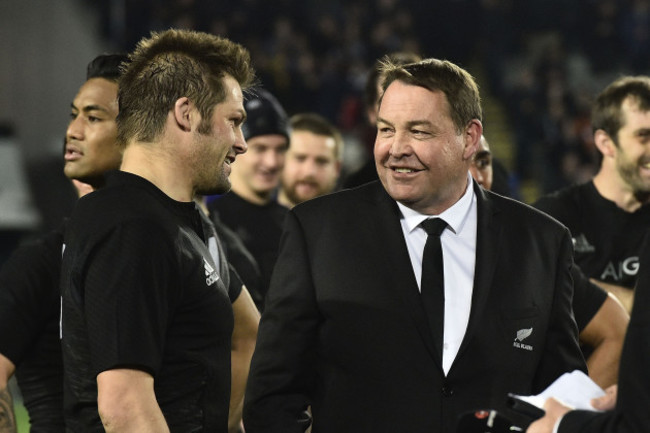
[(522, 334), (211, 275)]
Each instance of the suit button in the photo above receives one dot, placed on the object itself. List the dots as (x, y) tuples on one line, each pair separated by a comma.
[(447, 391)]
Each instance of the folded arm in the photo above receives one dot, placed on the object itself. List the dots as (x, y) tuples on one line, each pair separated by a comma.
[(623, 294), (127, 403), (605, 333)]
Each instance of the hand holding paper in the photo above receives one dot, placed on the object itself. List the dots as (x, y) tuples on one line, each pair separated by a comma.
[(574, 389)]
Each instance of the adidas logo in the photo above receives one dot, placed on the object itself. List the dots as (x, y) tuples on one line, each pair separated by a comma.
[(211, 275), (582, 245)]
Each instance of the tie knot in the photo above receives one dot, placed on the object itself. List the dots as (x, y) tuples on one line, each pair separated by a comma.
[(434, 226)]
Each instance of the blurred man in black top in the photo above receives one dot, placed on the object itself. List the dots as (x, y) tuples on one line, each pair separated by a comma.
[(606, 214), (29, 280)]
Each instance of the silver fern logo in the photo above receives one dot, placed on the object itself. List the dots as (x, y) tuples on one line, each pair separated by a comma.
[(522, 334)]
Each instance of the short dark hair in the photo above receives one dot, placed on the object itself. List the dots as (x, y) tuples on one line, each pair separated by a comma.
[(607, 114), (170, 65), (370, 94), (317, 124), (106, 66), (440, 75)]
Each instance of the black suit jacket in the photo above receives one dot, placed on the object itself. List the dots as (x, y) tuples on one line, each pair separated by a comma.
[(632, 413), (344, 330)]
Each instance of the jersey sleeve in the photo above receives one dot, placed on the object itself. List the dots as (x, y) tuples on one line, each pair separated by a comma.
[(129, 291), (235, 284), (558, 206), (29, 294), (587, 298)]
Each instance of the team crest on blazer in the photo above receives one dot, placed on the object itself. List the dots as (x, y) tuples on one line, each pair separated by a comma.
[(522, 334)]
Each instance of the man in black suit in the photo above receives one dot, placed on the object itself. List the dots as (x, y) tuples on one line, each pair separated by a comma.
[(345, 331), (631, 413)]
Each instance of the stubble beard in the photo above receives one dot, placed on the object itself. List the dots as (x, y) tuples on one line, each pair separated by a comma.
[(630, 174), (211, 184)]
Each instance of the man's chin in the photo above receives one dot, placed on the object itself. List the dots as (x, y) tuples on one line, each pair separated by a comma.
[(71, 172), (299, 198), (216, 190), (307, 197)]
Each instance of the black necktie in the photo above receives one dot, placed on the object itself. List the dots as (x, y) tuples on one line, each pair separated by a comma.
[(432, 288)]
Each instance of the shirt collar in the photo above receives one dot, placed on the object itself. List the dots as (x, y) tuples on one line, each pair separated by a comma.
[(455, 216)]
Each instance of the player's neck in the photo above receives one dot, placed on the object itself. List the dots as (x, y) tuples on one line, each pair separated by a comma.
[(158, 169), (611, 186), (243, 191), (283, 199)]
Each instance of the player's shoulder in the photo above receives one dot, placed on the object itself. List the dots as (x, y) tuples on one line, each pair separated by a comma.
[(521, 213), (564, 199)]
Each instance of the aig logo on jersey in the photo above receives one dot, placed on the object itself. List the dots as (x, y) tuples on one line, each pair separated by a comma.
[(211, 275), (628, 267)]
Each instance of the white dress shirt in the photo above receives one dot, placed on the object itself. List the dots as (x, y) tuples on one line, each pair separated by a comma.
[(459, 257)]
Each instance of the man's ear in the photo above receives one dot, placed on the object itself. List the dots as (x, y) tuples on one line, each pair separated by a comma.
[(604, 143), (472, 137), (183, 113)]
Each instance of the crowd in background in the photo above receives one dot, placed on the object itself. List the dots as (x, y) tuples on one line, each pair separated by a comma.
[(544, 60)]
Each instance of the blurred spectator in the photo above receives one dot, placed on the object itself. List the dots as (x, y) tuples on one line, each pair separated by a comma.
[(314, 57), (313, 161)]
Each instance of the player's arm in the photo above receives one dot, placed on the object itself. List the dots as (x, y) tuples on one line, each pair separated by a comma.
[(7, 417), (127, 403), (623, 294), (243, 344), (137, 315), (605, 333)]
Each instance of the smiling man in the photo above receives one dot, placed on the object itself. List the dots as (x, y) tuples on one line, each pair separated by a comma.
[(146, 314), (362, 324), (250, 209), (606, 214), (313, 161)]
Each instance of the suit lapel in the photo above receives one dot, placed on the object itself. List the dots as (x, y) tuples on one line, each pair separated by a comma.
[(488, 238), (386, 220)]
